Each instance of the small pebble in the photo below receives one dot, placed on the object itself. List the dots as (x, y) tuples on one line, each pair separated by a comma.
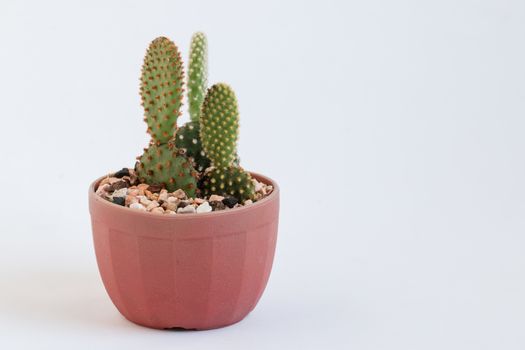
[(112, 180), (199, 201), (133, 191), (230, 201), (170, 206), (120, 192), (163, 196), (137, 206), (217, 205), (155, 188), (248, 201), (121, 173), (180, 194), (152, 205), (216, 198), (186, 210), (102, 189), (172, 200), (118, 185), (144, 200), (157, 210), (119, 200), (105, 181), (131, 199), (258, 186), (142, 186), (204, 208), (183, 204)]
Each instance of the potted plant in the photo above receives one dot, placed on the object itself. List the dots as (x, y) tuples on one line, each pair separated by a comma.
[(187, 237)]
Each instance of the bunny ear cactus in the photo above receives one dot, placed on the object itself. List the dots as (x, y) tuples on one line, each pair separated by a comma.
[(197, 74), (188, 136), (161, 90), (219, 132)]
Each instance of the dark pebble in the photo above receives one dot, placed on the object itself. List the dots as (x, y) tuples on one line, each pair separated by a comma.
[(217, 205), (121, 173), (118, 185), (155, 188), (119, 200), (182, 204), (230, 201)]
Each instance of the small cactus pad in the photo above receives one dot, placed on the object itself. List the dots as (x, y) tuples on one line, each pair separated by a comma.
[(229, 181), (161, 88), (220, 125), (197, 74), (188, 138), (165, 164)]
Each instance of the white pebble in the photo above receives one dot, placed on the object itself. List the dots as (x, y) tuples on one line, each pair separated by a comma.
[(248, 201), (258, 186), (137, 206), (120, 193), (204, 208), (144, 200), (186, 210)]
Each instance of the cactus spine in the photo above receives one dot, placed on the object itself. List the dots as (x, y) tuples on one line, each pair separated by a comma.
[(188, 136), (219, 133), (161, 90)]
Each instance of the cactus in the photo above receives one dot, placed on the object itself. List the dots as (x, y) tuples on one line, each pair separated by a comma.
[(197, 74), (161, 91), (188, 136), (161, 88), (165, 164), (219, 132)]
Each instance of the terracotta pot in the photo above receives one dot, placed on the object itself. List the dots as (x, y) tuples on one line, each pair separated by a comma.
[(194, 271)]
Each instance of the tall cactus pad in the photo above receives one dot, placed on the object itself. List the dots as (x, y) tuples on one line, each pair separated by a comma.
[(188, 138), (220, 125), (229, 181), (197, 74), (165, 164), (161, 88)]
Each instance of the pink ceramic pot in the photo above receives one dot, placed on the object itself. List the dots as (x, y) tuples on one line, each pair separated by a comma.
[(194, 271)]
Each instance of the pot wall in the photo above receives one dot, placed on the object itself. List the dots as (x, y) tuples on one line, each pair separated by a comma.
[(195, 271)]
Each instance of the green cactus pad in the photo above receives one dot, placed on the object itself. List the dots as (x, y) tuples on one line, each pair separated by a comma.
[(188, 138), (165, 164), (220, 125), (228, 181), (197, 74), (161, 88)]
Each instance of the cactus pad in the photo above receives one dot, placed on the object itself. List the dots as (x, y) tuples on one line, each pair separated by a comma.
[(220, 125), (197, 74), (229, 181), (161, 88), (188, 138), (167, 165)]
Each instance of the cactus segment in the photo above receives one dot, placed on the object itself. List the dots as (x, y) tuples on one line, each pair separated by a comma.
[(197, 74), (228, 181), (165, 164), (188, 138), (161, 88), (220, 125)]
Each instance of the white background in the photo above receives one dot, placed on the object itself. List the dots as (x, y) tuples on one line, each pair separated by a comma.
[(395, 129)]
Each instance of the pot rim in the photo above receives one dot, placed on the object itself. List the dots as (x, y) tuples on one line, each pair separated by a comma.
[(272, 196)]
